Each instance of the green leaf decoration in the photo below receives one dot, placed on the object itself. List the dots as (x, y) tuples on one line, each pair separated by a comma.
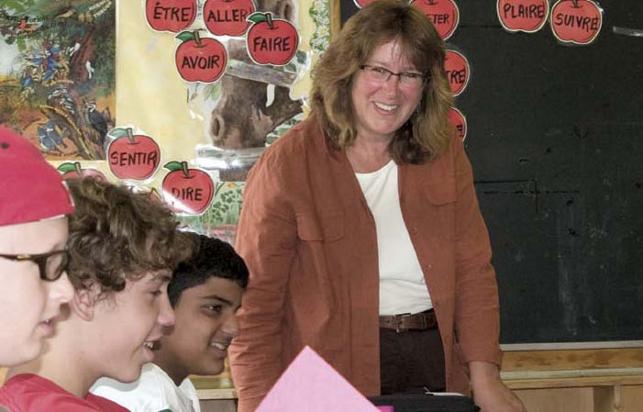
[(258, 17), (67, 167), (185, 36), (118, 132), (174, 165)]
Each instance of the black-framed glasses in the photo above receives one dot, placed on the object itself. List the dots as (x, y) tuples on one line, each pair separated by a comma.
[(51, 264), (382, 74)]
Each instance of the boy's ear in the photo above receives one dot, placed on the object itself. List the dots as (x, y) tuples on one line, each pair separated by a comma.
[(83, 303)]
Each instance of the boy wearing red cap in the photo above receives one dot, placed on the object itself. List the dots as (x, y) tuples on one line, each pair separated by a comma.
[(34, 203), (123, 248)]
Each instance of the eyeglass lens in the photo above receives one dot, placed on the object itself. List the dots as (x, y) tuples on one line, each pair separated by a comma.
[(53, 265)]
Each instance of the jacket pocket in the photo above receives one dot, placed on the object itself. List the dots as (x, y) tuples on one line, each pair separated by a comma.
[(327, 226), (439, 215)]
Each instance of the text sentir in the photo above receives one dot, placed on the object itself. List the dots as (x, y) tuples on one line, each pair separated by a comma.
[(137, 158)]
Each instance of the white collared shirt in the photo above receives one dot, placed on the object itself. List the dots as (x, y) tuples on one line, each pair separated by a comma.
[(154, 391)]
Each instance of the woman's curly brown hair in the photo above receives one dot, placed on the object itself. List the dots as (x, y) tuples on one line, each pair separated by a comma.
[(116, 235)]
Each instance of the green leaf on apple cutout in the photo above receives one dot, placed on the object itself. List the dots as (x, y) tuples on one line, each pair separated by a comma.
[(68, 167), (174, 165), (185, 36), (118, 132), (258, 17)]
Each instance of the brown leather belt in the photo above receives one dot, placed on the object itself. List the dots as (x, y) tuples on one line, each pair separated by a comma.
[(404, 322)]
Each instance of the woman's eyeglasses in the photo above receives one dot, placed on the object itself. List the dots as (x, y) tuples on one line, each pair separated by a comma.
[(381, 75), (51, 264)]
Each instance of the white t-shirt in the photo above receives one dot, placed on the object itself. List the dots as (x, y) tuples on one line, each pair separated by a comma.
[(402, 285), (154, 391)]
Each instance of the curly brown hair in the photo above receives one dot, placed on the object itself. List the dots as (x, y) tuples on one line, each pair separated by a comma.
[(116, 235), (427, 133)]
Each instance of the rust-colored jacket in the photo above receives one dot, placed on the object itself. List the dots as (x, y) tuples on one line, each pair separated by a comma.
[(309, 240)]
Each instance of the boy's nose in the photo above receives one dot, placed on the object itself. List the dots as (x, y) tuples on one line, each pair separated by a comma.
[(61, 291), (231, 326), (166, 314)]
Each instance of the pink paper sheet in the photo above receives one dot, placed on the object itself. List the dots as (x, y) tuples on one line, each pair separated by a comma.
[(310, 384)]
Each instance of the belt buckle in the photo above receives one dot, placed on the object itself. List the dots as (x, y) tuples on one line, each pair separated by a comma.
[(398, 322)]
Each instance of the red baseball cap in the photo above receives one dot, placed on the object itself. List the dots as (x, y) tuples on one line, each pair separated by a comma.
[(30, 188)]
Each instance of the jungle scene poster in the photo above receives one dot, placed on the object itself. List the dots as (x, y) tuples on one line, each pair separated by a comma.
[(57, 74)]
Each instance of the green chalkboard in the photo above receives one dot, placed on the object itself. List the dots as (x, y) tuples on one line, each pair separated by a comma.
[(555, 136)]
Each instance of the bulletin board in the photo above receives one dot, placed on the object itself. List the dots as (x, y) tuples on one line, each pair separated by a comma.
[(554, 134), (108, 77), (101, 75)]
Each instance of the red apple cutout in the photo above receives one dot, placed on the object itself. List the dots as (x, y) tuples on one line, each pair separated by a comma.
[(132, 156), (187, 190), (362, 3), (227, 17), (444, 14), (271, 41), (457, 119), (170, 15), (200, 59), (457, 70), (73, 170), (576, 21), (527, 16)]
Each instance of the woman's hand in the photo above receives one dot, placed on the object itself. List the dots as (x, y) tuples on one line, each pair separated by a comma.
[(489, 393)]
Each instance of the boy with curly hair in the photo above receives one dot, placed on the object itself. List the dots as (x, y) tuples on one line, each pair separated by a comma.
[(205, 292), (123, 249)]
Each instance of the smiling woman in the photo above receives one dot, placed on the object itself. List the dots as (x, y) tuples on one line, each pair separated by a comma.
[(382, 103), (362, 232)]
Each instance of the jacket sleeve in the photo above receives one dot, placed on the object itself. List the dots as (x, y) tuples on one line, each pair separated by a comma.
[(477, 316), (266, 239)]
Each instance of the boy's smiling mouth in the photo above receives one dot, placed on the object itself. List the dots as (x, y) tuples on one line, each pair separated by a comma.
[(152, 345), (221, 346)]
